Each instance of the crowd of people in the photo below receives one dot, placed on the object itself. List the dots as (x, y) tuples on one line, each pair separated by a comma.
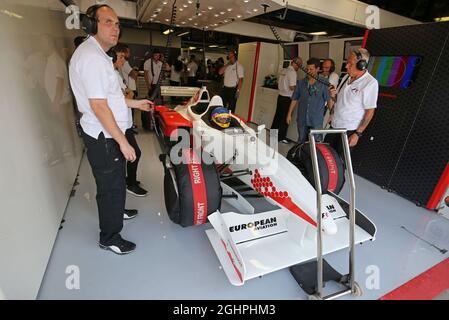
[(351, 102)]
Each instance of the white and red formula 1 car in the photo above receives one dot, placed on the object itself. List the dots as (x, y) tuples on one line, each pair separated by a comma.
[(204, 165)]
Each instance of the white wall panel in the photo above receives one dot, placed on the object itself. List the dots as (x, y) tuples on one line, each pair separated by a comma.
[(40, 148)]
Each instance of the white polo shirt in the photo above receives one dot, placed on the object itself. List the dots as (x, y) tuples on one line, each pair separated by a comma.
[(232, 74), (130, 82), (157, 67), (287, 79), (333, 79), (352, 101), (192, 68), (92, 76)]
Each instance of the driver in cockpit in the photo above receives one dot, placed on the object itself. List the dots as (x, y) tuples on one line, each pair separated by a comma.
[(220, 118)]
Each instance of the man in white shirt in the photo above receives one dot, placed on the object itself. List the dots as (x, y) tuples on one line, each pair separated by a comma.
[(104, 121), (233, 81), (356, 100), (329, 72), (286, 86), (129, 75), (152, 69), (192, 68)]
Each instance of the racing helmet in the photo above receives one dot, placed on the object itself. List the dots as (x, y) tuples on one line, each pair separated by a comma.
[(221, 117)]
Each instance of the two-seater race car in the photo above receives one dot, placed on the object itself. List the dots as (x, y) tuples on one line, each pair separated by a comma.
[(205, 165)]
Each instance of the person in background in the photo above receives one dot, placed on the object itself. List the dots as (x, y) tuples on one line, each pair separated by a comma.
[(175, 75), (233, 81), (286, 86), (329, 72), (152, 69), (192, 68), (132, 185), (310, 97)]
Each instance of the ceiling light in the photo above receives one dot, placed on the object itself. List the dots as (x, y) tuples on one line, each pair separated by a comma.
[(192, 48), (168, 31), (213, 46), (229, 9), (319, 33), (183, 34), (216, 15), (239, 16), (158, 9), (154, 15), (200, 14), (441, 19), (195, 24), (246, 1), (210, 7), (164, 2), (181, 9), (222, 12), (190, 1), (185, 6), (166, 19), (183, 22), (190, 19), (255, 10)]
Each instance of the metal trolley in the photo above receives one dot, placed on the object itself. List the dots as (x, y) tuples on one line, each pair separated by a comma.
[(323, 269)]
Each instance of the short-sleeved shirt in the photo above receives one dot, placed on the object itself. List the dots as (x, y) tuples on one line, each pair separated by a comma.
[(192, 68), (333, 79), (311, 103), (352, 101), (287, 79), (153, 74), (233, 74), (125, 71), (92, 76)]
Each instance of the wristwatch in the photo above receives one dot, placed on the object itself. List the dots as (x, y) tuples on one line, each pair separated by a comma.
[(359, 134)]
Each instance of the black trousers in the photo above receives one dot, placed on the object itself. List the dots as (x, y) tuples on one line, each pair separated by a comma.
[(280, 117), (191, 82), (334, 141), (229, 99), (108, 167), (131, 167)]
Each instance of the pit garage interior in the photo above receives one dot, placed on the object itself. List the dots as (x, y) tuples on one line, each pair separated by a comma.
[(49, 218)]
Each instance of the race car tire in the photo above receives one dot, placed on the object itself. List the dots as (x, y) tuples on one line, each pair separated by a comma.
[(332, 174), (192, 190)]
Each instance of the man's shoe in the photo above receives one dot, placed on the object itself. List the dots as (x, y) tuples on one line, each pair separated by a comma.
[(119, 246), (136, 190), (130, 213)]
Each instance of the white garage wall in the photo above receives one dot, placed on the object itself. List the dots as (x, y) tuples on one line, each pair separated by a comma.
[(40, 150)]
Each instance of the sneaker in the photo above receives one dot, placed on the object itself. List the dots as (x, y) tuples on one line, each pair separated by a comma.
[(130, 213), (136, 190), (119, 246)]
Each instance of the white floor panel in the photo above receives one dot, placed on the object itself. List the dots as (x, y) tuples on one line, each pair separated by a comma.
[(172, 262)]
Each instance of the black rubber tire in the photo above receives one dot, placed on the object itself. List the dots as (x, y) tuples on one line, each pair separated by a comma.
[(300, 156), (181, 205)]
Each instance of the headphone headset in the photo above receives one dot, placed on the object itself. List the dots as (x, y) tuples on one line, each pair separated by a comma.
[(90, 20), (361, 64)]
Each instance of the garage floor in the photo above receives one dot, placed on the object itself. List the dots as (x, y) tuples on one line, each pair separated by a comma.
[(172, 262)]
